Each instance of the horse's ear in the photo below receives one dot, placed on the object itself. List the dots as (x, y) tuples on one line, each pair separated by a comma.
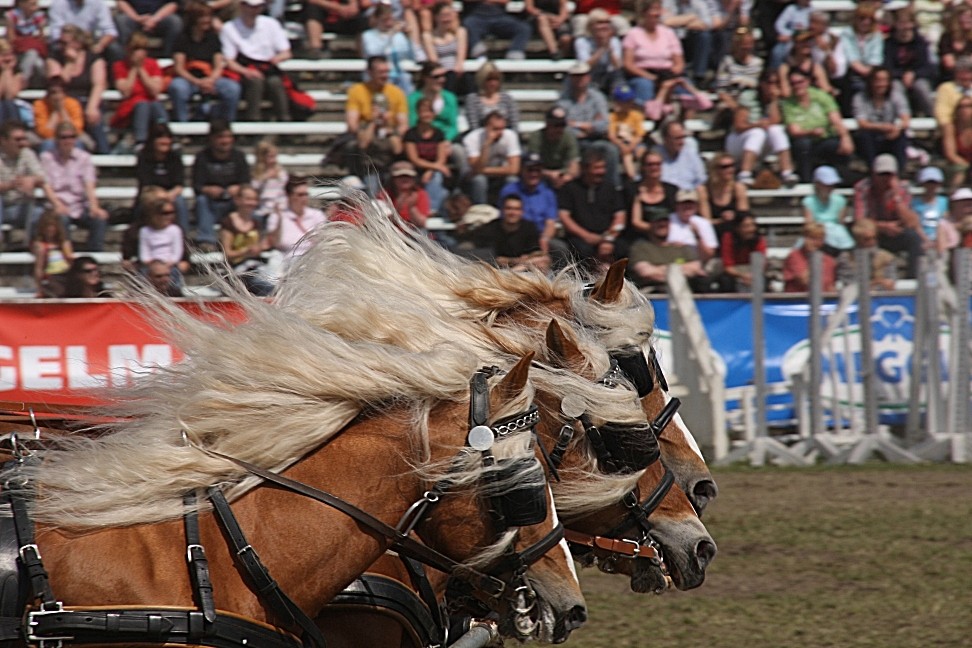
[(515, 380), (608, 291), (563, 346)]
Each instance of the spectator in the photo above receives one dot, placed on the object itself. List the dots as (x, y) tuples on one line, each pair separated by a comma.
[(863, 44), (444, 104), (428, 151), (198, 66), (652, 52), (828, 208), (345, 17), (948, 96), (491, 98), (254, 45), (956, 42), (676, 98), (796, 267), (626, 129), (884, 265), (816, 129), (587, 117), (83, 280), (26, 25), (493, 152), (827, 49), (801, 59), (92, 18), (682, 164), (931, 206), (269, 180), (217, 175), (288, 227), (539, 204), (737, 247), (11, 83), (908, 57), (139, 79), (954, 231), (406, 195), (377, 117), (160, 243), (691, 229), (884, 198), (699, 28), (651, 193), (85, 77), (244, 242), (651, 256), (550, 18), (883, 116), (159, 274), (73, 182), (54, 109), (584, 14), (20, 174), (446, 44), (53, 255), (489, 18), (557, 148), (388, 38), (794, 18), (600, 47), (150, 17), (592, 212), (957, 144), (159, 165), (757, 120), (512, 240), (726, 197)]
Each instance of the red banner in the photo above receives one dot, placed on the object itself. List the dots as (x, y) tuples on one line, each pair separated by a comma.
[(66, 353)]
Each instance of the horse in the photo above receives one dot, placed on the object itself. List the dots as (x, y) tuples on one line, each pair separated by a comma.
[(620, 317), (371, 424)]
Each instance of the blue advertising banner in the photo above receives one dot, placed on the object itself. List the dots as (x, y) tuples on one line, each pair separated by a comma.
[(728, 322)]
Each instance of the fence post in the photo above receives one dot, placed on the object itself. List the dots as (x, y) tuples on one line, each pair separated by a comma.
[(816, 345), (959, 361), (757, 264)]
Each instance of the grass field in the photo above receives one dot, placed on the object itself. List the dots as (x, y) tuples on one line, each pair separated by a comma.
[(868, 556)]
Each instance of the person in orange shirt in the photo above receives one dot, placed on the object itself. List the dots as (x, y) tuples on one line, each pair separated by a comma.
[(54, 108)]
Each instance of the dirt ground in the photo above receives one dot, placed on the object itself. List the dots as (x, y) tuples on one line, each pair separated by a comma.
[(868, 556)]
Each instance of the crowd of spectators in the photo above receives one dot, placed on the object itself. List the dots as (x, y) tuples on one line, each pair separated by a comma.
[(591, 185)]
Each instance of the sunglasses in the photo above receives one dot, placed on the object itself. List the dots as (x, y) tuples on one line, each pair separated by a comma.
[(66, 137), (727, 165), (91, 271)]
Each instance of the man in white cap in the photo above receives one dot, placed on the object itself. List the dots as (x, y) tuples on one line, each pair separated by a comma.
[(885, 198), (691, 229), (254, 45), (588, 115)]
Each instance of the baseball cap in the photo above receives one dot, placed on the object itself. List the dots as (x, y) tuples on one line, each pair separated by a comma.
[(655, 214), (885, 163), (826, 175), (532, 159), (254, 3), (623, 92), (963, 193), (557, 115), (687, 195), (931, 174), (579, 68), (478, 215), (403, 168)]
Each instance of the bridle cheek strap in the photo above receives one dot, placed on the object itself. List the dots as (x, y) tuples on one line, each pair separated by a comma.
[(623, 546)]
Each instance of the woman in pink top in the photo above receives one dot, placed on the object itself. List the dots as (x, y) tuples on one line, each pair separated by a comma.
[(652, 53), (287, 227)]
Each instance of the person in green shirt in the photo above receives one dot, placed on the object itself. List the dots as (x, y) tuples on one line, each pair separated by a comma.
[(444, 103), (817, 132)]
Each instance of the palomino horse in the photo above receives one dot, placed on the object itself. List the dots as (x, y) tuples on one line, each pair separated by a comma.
[(379, 252), (275, 392)]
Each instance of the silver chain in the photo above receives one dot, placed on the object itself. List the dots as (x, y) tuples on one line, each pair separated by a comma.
[(520, 423)]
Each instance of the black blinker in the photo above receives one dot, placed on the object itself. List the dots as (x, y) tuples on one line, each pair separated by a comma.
[(635, 367), (632, 448), (521, 505)]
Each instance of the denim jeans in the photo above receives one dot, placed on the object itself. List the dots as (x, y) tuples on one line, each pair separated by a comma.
[(483, 21), (170, 29), (208, 213), (144, 115), (181, 92), (21, 214), (96, 229)]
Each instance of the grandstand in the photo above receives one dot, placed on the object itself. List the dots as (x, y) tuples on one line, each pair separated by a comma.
[(535, 83)]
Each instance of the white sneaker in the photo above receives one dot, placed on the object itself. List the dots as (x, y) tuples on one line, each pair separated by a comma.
[(790, 178), (515, 55), (745, 177)]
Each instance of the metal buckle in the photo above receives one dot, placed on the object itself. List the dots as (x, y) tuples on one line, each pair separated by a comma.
[(21, 551), (45, 642), (189, 549), (635, 544)]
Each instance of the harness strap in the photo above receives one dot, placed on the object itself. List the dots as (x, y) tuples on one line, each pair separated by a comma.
[(560, 448), (266, 586), (15, 491), (198, 563), (403, 544), (629, 548), (638, 512), (518, 561), (420, 581), (128, 626)]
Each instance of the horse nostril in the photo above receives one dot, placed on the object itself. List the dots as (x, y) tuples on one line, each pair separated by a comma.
[(705, 551), (703, 492), (576, 617)]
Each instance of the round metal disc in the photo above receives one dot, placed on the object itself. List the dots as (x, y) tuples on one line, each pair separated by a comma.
[(572, 406), (481, 438)]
